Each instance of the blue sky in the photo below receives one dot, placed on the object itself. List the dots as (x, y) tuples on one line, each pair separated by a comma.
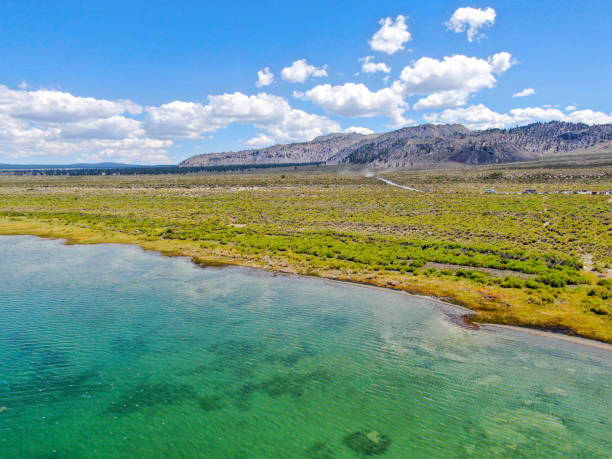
[(155, 82)]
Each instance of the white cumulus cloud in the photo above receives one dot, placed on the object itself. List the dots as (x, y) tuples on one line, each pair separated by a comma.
[(452, 98), (524, 93), (449, 82), (45, 123), (300, 71), (131, 151), (116, 127), (457, 72), (50, 105), (481, 117), (260, 140), (474, 117), (501, 62), (236, 106), (181, 119), (356, 100), (589, 116), (271, 113), (56, 123), (472, 20), (368, 66), (391, 36), (358, 130), (264, 77), (532, 114)]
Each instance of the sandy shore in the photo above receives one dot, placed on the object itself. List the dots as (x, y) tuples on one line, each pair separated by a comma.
[(558, 336)]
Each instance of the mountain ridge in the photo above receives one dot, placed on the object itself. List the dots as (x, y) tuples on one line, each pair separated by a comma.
[(427, 143)]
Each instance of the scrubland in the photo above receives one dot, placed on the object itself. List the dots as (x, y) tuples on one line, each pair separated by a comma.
[(536, 260)]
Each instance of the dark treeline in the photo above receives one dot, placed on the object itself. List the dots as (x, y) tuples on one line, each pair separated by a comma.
[(149, 170)]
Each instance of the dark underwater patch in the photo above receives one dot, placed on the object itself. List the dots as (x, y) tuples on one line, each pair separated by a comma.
[(211, 403), (48, 456), (330, 322), (367, 443), (52, 388), (199, 370), (320, 450), (292, 357), (235, 348), (293, 384), (147, 395), (135, 345), (50, 360)]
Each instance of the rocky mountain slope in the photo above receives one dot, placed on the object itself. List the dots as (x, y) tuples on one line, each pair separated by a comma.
[(429, 143), (320, 149)]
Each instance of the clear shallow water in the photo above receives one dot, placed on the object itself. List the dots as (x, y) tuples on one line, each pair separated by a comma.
[(110, 351)]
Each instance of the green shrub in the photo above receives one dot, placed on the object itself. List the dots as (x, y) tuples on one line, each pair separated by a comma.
[(532, 284), (512, 282)]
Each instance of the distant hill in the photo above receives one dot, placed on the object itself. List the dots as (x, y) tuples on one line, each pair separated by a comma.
[(67, 166), (429, 144)]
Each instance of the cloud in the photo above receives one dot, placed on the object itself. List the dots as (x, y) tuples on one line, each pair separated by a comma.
[(372, 67), (180, 119), (589, 116), (131, 151), (524, 93), (532, 114), (300, 71), (355, 100), (260, 140), (20, 139), (481, 117), (236, 106), (501, 62), (299, 126), (570, 108), (16, 135), (457, 72), (452, 98), (56, 123), (391, 36), (116, 128), (264, 77), (358, 130), (472, 20), (50, 105), (265, 111), (23, 85), (449, 82), (474, 117)]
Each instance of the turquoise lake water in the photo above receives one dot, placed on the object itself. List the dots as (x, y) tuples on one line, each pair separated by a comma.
[(110, 351)]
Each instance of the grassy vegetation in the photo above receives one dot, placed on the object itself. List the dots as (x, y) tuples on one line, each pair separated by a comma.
[(514, 259)]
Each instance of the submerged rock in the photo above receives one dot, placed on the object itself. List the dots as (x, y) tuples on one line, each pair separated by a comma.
[(368, 443), (320, 450)]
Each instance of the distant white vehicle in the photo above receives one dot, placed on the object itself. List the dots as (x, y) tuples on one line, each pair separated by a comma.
[(490, 191)]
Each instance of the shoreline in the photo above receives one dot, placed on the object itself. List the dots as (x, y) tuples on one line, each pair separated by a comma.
[(551, 335), (457, 314)]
